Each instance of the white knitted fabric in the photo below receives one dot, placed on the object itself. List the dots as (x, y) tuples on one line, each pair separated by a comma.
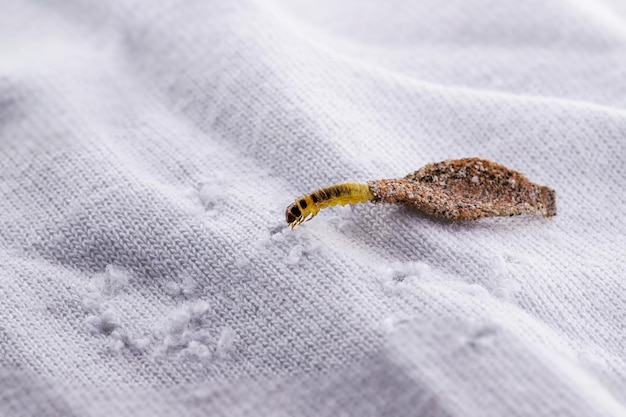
[(148, 151)]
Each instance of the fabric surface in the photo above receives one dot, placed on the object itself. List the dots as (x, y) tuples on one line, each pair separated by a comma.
[(148, 151)]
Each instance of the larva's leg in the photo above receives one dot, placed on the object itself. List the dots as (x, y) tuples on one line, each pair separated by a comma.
[(312, 214), (297, 222)]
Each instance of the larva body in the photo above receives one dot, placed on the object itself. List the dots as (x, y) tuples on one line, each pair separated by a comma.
[(306, 207)]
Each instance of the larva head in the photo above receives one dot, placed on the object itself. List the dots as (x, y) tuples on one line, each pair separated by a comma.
[(292, 214)]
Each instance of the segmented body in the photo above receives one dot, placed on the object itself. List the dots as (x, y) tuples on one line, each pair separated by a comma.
[(307, 207)]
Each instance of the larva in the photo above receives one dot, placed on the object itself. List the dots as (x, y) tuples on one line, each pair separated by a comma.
[(459, 189), (307, 207)]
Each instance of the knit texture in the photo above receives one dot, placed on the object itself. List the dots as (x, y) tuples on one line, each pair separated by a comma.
[(148, 152)]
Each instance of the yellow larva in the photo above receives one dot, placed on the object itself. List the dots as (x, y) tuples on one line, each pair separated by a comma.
[(306, 207), (459, 189)]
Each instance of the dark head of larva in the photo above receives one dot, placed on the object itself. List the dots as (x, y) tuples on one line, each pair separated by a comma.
[(293, 213)]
